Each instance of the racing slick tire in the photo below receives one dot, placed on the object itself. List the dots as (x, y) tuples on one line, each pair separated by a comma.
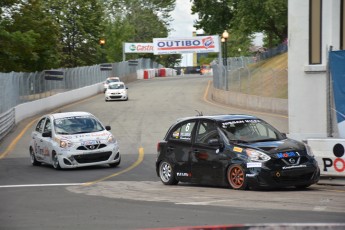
[(33, 159), (55, 159), (236, 177), (166, 173)]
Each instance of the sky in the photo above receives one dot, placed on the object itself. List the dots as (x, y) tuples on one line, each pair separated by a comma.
[(182, 26), (183, 19)]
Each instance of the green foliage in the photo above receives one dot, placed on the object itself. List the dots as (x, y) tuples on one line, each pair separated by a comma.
[(244, 18), (44, 34), (29, 39)]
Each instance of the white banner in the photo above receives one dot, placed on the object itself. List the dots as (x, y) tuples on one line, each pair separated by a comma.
[(138, 47), (198, 44)]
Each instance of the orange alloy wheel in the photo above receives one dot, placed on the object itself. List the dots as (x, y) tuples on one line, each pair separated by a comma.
[(236, 177)]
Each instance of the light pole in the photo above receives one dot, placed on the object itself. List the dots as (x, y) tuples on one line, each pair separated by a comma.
[(102, 43), (223, 48), (225, 35)]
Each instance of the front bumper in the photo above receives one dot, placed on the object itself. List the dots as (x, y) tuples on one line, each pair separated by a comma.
[(278, 178), (80, 158), (115, 97)]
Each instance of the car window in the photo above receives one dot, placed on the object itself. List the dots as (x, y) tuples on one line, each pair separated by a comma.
[(40, 124), (249, 130), (183, 132), (77, 124), (206, 130), (47, 126)]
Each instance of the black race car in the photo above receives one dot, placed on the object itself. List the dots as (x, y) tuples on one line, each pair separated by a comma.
[(240, 151)]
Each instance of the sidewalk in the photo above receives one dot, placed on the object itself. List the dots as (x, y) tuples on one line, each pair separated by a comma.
[(336, 181)]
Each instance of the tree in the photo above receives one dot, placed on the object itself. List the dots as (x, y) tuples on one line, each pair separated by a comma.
[(214, 15), (82, 24), (267, 16), (243, 17), (28, 37)]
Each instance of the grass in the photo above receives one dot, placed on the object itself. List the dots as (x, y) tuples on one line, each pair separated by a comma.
[(268, 78)]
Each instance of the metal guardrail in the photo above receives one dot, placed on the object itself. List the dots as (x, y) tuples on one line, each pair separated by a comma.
[(18, 88)]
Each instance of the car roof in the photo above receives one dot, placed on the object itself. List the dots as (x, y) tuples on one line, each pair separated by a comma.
[(70, 114), (220, 117), (110, 78), (117, 83)]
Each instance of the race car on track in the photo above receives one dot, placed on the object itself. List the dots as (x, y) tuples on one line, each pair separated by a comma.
[(108, 81), (116, 91), (237, 151), (73, 139)]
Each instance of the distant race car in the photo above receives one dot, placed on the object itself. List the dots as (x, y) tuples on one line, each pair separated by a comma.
[(116, 91), (239, 151), (71, 140), (108, 81)]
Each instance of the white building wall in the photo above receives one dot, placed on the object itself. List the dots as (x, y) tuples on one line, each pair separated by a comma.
[(308, 83)]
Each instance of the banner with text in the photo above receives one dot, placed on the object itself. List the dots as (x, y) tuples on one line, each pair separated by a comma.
[(138, 47), (199, 44)]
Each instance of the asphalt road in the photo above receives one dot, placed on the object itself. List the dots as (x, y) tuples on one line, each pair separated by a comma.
[(131, 196)]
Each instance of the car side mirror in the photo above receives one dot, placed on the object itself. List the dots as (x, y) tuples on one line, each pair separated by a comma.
[(215, 142), (284, 135), (47, 134), (108, 127), (126, 87)]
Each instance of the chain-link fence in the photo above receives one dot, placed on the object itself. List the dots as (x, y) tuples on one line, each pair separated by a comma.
[(18, 88), (247, 75)]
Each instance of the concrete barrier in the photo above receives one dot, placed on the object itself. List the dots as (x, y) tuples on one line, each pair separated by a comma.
[(251, 102)]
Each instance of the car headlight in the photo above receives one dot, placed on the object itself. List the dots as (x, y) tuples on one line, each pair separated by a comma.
[(65, 144), (257, 156), (111, 139), (309, 151)]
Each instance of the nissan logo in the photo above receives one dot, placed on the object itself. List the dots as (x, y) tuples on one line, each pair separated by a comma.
[(292, 160)]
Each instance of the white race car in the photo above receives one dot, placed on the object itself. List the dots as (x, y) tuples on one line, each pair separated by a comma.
[(108, 81), (71, 140), (116, 91)]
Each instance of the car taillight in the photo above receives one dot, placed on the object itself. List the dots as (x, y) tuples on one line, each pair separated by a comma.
[(158, 147)]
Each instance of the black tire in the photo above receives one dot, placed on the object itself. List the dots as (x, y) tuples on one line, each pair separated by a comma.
[(303, 186), (237, 177), (56, 164), (166, 173), (33, 159), (113, 165)]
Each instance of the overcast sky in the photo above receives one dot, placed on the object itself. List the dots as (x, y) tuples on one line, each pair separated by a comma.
[(183, 19)]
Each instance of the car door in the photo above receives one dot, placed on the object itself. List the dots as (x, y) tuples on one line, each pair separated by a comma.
[(46, 142), (206, 153), (37, 139), (179, 149)]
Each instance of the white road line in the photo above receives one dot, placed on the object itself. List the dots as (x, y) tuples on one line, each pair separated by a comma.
[(39, 185)]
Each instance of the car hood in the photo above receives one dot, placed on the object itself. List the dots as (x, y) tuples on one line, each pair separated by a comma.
[(83, 137), (271, 147)]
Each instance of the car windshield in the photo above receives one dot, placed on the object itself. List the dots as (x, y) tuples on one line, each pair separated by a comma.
[(116, 86), (249, 130), (77, 124), (112, 80)]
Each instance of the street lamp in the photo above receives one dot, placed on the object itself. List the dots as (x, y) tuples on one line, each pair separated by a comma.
[(223, 48), (102, 43), (225, 35)]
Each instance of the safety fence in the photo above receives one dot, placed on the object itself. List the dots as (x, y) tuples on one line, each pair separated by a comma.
[(17, 88), (249, 76)]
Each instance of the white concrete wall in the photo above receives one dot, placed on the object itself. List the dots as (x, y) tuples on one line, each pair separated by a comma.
[(308, 83), (33, 108)]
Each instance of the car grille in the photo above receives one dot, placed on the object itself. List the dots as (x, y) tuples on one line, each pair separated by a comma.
[(278, 163), (115, 97), (93, 157), (91, 147), (294, 178)]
